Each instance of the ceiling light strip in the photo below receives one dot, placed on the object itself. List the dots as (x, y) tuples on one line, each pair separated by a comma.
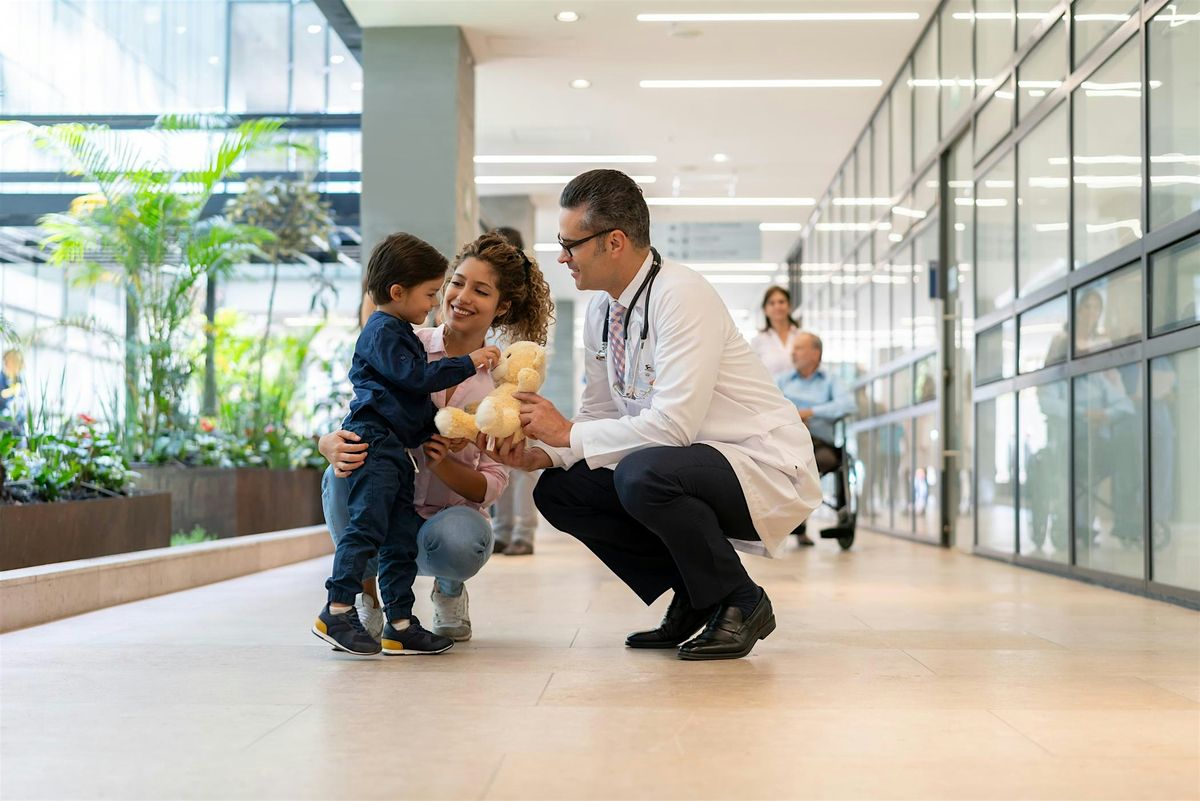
[(810, 16), (547, 159), (764, 83)]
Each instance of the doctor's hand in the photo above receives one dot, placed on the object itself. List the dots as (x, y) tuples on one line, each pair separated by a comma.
[(506, 452), (541, 421)]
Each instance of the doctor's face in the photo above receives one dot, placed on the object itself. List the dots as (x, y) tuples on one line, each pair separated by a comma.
[(590, 265)]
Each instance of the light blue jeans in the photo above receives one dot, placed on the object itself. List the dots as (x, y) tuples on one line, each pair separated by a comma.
[(451, 546)]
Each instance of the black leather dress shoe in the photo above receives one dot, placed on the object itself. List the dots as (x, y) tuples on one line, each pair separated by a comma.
[(729, 635), (678, 625)]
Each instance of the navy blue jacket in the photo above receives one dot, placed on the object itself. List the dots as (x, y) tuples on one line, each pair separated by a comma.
[(393, 379)]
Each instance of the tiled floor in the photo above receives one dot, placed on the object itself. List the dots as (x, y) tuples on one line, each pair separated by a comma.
[(898, 671)]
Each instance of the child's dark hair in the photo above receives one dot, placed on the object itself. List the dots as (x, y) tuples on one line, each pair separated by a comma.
[(405, 260), (520, 282)]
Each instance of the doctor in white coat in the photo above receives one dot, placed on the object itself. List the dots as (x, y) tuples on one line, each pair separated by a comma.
[(683, 447)]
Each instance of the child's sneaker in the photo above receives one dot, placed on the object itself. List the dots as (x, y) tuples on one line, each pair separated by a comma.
[(413, 641), (345, 632), (370, 615)]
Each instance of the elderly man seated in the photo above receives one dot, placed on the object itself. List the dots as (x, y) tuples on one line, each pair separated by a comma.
[(822, 400)]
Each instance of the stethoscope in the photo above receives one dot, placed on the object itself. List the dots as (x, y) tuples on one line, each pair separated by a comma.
[(631, 392)]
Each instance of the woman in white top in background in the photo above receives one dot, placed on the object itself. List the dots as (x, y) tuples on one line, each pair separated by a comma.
[(774, 343)]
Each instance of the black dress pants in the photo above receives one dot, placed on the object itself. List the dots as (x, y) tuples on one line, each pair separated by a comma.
[(659, 521)]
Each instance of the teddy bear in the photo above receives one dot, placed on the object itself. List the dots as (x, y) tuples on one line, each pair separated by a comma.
[(522, 368)]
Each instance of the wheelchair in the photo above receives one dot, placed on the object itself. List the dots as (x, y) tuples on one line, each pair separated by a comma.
[(843, 502)]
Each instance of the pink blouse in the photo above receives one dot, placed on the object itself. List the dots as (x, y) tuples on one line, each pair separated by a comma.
[(430, 494)]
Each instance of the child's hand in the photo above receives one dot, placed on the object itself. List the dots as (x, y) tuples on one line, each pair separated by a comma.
[(455, 445), (435, 450), (487, 357)]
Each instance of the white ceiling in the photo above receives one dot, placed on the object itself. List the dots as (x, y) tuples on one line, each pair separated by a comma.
[(780, 142)]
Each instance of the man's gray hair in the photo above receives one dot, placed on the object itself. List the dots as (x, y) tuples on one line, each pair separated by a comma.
[(816, 340), (610, 199)]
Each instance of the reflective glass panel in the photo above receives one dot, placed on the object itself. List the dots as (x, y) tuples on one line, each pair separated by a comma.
[(258, 77), (345, 79), (1173, 38), (1043, 199), (995, 422), (994, 26), (309, 58), (881, 163), (958, 82), (1109, 481), (902, 302), (902, 471), (926, 489), (1095, 20), (1107, 153), (1043, 69), (1044, 472), (1175, 468), (925, 388), (1176, 280), (881, 316), (925, 256), (1108, 311), (925, 95), (994, 120), (902, 388), (1044, 335), (901, 103), (994, 254), (996, 351), (1031, 14)]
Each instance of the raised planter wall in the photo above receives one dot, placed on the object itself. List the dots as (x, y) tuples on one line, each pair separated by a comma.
[(232, 502), (44, 533)]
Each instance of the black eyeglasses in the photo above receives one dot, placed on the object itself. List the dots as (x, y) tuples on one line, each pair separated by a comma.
[(574, 243)]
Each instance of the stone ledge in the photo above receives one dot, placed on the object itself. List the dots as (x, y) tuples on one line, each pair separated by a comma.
[(34, 595)]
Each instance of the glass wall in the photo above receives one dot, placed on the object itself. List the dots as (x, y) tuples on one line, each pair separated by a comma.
[(102, 57), (1067, 320)]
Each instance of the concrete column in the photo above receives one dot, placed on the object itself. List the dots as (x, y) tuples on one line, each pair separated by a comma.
[(418, 136)]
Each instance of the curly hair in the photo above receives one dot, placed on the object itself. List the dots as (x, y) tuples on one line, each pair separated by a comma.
[(520, 284)]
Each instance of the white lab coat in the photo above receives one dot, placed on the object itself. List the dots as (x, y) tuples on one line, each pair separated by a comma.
[(775, 354), (707, 387)]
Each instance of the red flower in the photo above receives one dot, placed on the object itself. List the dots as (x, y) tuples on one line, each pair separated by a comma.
[(207, 425), (269, 430), (87, 420)]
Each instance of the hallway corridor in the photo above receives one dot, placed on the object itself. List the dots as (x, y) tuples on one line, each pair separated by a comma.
[(898, 671)]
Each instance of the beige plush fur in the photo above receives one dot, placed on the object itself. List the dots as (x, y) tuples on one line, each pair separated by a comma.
[(522, 369)]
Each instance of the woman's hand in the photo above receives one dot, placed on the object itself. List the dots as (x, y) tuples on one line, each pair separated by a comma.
[(436, 450), (344, 450), (514, 454)]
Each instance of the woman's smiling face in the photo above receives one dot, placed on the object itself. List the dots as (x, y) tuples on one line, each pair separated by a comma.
[(472, 298)]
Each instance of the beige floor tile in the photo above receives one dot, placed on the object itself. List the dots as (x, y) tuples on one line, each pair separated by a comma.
[(1118, 733), (1061, 662)]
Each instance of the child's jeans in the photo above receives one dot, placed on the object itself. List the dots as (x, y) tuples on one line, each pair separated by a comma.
[(383, 520)]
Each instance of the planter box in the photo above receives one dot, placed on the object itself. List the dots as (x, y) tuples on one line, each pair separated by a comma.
[(231, 502), (274, 500), (47, 533), (200, 496)]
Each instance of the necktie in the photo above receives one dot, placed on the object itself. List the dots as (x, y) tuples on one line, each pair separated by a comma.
[(616, 339)]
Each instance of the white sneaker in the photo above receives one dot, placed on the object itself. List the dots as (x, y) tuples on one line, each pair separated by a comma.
[(451, 617), (370, 615)]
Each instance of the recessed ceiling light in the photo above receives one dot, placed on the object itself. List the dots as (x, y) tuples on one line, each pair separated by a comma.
[(720, 158), (828, 16), (567, 16), (566, 159), (336, 59), (314, 29), (764, 83), (581, 83), (730, 201), (182, 29), (544, 179), (214, 60), (781, 226)]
